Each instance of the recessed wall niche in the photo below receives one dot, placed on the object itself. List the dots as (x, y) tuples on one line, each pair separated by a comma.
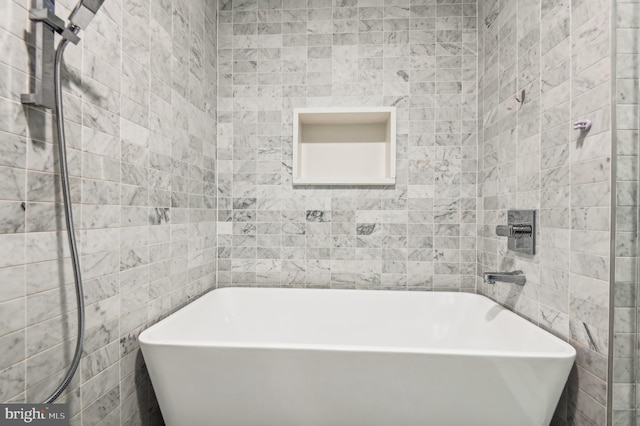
[(344, 146)]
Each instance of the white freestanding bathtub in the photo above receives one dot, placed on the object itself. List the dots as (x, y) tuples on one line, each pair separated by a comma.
[(253, 356)]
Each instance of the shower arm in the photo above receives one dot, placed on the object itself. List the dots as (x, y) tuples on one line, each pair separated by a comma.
[(56, 24)]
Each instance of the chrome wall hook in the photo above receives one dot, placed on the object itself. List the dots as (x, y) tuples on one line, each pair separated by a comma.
[(582, 125)]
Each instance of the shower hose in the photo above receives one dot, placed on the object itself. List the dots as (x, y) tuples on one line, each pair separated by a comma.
[(68, 215)]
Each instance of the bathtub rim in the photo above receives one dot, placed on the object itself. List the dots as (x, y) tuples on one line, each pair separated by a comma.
[(567, 351)]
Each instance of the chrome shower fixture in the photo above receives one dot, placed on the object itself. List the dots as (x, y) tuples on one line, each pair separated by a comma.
[(46, 25), (48, 94), (84, 12)]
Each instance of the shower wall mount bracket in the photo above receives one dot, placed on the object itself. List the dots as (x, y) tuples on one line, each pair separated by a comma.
[(46, 25), (51, 19)]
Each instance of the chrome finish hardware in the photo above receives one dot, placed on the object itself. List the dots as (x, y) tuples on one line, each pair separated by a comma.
[(44, 34), (45, 25), (520, 231), (513, 230), (515, 277), (48, 17), (84, 12), (56, 24), (582, 125)]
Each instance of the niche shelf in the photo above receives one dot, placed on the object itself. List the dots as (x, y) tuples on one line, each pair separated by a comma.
[(344, 146)]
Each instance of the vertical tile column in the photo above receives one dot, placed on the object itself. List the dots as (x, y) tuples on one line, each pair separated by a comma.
[(625, 361), (544, 65)]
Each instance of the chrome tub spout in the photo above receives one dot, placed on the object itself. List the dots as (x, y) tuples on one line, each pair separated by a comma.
[(515, 277)]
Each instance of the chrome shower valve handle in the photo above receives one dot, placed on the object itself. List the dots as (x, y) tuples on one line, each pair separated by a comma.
[(516, 231)]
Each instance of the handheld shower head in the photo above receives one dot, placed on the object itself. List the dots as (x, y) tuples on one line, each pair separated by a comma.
[(84, 13)]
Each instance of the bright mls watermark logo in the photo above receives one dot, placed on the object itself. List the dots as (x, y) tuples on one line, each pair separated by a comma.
[(34, 414)]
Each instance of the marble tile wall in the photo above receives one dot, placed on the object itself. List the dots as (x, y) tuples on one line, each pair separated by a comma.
[(144, 141), (543, 65), (140, 95), (419, 56), (626, 281)]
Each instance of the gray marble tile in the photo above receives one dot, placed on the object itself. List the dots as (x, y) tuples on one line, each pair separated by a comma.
[(108, 63), (14, 379), (13, 151), (149, 83), (50, 332)]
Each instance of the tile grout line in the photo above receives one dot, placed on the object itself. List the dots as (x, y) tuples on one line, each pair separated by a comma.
[(25, 284)]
